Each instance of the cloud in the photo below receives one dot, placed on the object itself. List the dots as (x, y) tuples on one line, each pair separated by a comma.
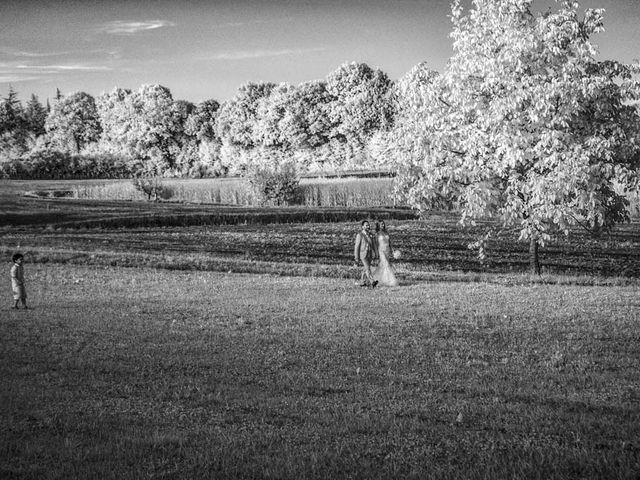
[(131, 28), (249, 54), (14, 72), (86, 68), (16, 78), (72, 55), (61, 68), (22, 53)]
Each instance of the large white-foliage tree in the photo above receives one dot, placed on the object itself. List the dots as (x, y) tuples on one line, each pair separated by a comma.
[(360, 101), (308, 121), (115, 121), (146, 126), (156, 119), (237, 123), (201, 126), (73, 123), (360, 106), (237, 126), (274, 118), (410, 96), (525, 125), (202, 121), (318, 124)]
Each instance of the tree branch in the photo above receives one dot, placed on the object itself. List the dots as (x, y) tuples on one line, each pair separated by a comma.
[(447, 104), (457, 152), (592, 230)]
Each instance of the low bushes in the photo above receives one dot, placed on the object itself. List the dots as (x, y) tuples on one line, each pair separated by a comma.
[(274, 185), (153, 188), (56, 165)]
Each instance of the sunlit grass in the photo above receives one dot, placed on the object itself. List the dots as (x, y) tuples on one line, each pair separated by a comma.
[(137, 373)]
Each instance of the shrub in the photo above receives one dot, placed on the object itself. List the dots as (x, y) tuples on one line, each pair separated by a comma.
[(13, 169), (273, 184), (152, 187), (47, 164)]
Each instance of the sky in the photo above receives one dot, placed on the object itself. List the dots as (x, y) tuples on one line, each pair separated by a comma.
[(206, 49)]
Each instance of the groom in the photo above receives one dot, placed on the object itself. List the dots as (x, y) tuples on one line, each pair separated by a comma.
[(365, 251)]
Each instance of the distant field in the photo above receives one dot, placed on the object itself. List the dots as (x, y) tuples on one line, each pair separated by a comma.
[(432, 245), (129, 373), (312, 192), (291, 240)]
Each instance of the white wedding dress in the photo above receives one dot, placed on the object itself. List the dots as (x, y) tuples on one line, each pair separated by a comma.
[(383, 273)]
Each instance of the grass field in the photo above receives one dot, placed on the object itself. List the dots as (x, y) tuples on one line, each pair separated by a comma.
[(144, 373), (182, 341)]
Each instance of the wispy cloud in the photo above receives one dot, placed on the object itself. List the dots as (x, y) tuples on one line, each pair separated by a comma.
[(13, 72), (58, 68), (12, 53), (22, 53), (249, 54), (17, 78), (119, 27)]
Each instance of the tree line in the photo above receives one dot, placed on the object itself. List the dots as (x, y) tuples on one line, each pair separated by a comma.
[(327, 124)]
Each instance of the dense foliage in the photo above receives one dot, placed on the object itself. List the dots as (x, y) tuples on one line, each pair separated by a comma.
[(324, 124), (73, 123), (524, 125), (56, 165)]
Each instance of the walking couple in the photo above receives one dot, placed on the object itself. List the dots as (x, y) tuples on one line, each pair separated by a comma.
[(370, 246)]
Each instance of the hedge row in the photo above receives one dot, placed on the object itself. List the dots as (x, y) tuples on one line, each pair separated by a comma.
[(55, 165)]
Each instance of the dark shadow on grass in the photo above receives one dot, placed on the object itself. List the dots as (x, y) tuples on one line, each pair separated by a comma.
[(325, 391), (569, 406)]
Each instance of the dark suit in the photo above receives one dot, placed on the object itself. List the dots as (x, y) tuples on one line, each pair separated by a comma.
[(364, 251)]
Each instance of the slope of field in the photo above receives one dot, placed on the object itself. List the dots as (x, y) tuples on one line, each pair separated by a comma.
[(127, 373)]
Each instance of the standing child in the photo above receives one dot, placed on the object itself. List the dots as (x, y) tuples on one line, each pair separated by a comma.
[(17, 281)]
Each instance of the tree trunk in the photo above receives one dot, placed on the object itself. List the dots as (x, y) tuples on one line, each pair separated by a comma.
[(534, 259)]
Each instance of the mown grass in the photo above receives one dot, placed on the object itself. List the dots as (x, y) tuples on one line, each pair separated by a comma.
[(138, 373)]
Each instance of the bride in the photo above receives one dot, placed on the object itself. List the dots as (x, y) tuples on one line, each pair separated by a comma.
[(384, 271)]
